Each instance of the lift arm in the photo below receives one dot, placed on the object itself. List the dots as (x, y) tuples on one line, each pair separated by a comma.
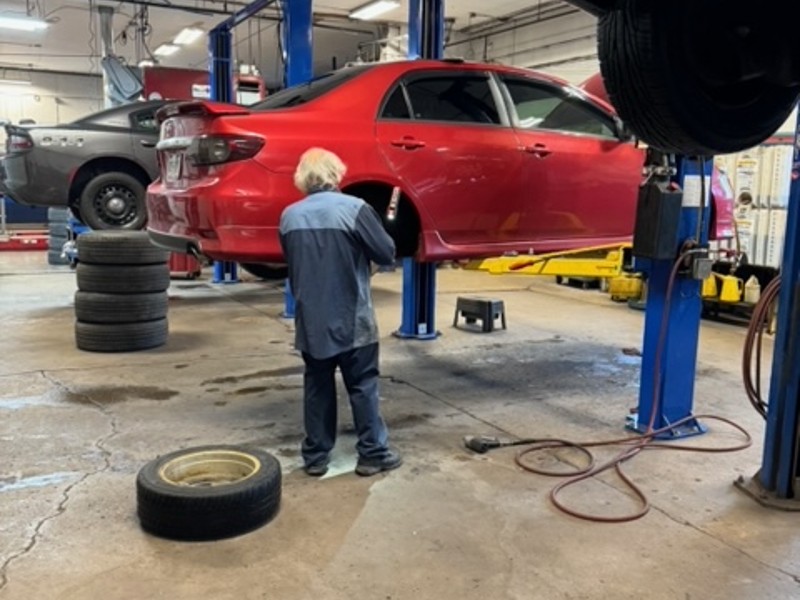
[(603, 262)]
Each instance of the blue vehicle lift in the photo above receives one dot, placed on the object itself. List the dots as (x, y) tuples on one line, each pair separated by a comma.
[(297, 43), (673, 312), (777, 483), (418, 321)]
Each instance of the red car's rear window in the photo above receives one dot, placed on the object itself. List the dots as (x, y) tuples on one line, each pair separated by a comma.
[(305, 92)]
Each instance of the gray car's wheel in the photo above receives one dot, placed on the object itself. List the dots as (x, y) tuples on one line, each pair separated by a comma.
[(115, 279), (694, 77), (113, 201), (208, 493), (92, 307), (121, 337), (119, 248)]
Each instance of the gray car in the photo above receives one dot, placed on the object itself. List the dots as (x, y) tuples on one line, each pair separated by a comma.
[(99, 166)]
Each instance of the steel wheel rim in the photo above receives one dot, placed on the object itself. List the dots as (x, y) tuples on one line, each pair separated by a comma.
[(210, 468), (116, 204)]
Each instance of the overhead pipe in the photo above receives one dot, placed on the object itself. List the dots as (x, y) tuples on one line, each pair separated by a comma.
[(513, 27)]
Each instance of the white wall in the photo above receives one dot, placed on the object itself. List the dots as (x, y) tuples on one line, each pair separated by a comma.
[(564, 46), (51, 98)]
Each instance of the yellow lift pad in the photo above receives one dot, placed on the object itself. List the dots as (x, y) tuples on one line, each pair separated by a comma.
[(603, 262)]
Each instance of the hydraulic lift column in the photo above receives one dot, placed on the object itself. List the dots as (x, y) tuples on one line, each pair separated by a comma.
[(425, 40), (777, 483), (668, 223)]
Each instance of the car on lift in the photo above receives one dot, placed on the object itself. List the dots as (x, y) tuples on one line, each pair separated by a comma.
[(461, 160), (99, 166)]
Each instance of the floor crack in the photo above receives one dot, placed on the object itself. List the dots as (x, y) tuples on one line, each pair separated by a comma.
[(795, 578), (99, 444)]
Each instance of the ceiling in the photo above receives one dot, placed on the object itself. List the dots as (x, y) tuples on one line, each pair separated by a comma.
[(72, 43)]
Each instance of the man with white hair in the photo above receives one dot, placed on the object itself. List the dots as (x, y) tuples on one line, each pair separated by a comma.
[(329, 239)]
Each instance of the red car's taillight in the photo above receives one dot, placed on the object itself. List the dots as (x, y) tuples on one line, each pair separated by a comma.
[(217, 149)]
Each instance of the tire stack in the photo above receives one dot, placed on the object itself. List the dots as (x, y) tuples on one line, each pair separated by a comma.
[(121, 302), (57, 228)]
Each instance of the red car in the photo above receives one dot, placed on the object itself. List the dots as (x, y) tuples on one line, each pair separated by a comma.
[(482, 160)]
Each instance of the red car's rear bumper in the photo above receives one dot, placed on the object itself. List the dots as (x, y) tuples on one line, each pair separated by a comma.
[(232, 214)]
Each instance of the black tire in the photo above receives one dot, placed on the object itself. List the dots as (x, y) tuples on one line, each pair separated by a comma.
[(54, 258), (121, 337), (115, 279), (664, 70), (266, 271), (58, 229), (208, 492), (119, 248), (56, 242), (91, 307), (57, 215), (113, 201)]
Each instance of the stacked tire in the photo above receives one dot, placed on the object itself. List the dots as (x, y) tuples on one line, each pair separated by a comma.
[(58, 235), (121, 302)]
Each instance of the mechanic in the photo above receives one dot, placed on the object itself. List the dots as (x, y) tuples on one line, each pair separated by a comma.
[(329, 239)]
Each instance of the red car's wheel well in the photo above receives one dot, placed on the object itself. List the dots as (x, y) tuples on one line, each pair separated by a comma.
[(98, 166), (405, 228)]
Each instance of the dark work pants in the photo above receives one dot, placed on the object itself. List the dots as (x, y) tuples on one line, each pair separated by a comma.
[(359, 369)]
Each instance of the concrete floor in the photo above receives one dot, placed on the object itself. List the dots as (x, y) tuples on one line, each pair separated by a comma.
[(76, 427)]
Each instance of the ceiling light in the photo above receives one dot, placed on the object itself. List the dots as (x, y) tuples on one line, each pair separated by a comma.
[(166, 50), (22, 23), (374, 9), (187, 36)]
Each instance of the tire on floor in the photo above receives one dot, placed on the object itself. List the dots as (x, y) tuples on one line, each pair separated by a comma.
[(208, 492), (119, 248), (117, 279), (121, 337), (93, 307)]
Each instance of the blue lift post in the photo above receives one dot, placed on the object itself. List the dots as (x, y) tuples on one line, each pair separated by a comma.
[(298, 44), (777, 483), (425, 40), (675, 373), (220, 49)]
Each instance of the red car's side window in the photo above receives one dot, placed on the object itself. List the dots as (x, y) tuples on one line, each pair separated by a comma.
[(453, 98), (541, 107), (396, 106)]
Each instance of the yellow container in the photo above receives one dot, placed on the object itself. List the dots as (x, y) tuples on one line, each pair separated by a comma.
[(625, 287), (710, 287), (732, 288)]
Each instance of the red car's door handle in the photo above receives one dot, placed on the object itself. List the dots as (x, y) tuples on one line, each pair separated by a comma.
[(408, 143), (538, 150)]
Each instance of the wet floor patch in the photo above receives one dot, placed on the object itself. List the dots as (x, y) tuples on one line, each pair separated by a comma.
[(113, 395), (264, 388), (265, 374)]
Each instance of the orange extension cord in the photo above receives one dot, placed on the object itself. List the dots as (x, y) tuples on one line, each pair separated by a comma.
[(633, 445)]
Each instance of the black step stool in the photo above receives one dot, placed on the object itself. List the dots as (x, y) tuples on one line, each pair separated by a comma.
[(484, 310)]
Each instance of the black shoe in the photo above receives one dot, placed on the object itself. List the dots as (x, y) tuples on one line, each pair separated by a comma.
[(317, 470), (372, 466)]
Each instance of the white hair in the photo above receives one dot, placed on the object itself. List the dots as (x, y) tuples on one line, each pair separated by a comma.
[(318, 169)]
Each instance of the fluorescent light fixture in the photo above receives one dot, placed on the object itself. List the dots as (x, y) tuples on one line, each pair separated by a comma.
[(187, 36), (373, 9), (166, 50), (14, 82), (22, 23)]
